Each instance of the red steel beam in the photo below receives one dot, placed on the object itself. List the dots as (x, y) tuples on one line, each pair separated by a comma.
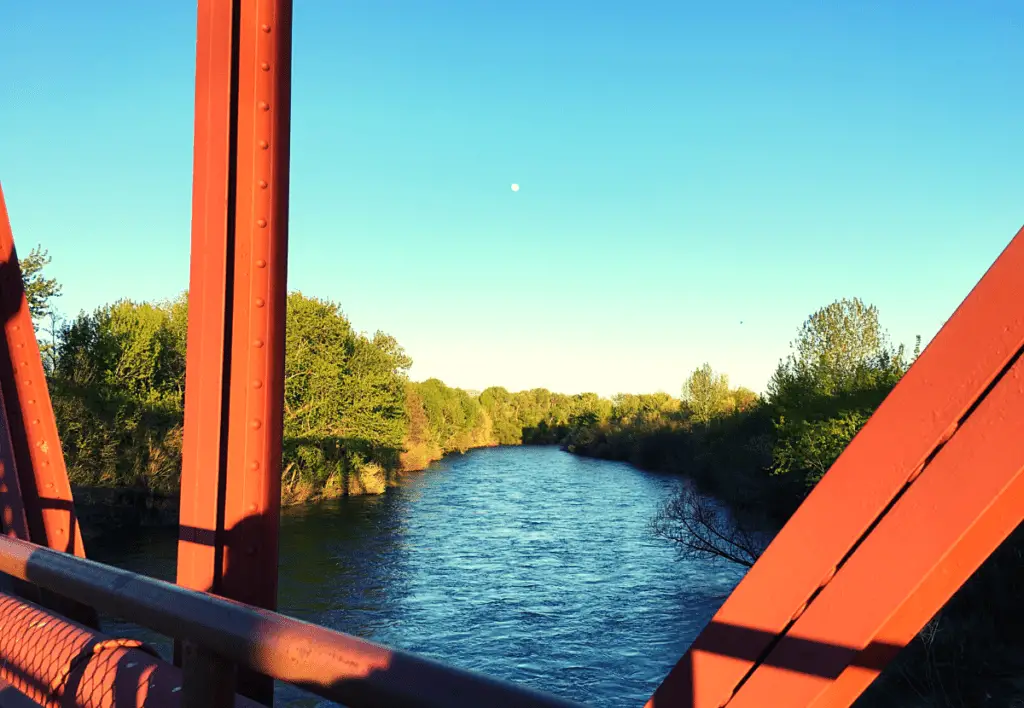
[(15, 523), (253, 490), (968, 499), (922, 413), (198, 565), (35, 492), (234, 385)]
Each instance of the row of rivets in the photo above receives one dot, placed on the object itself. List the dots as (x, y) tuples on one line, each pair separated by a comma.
[(263, 91)]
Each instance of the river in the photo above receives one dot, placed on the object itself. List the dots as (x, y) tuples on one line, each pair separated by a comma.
[(529, 564)]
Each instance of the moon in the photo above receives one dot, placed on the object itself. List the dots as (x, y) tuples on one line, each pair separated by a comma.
[(515, 187)]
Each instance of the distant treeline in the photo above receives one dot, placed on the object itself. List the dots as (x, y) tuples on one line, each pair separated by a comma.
[(354, 421), (763, 457)]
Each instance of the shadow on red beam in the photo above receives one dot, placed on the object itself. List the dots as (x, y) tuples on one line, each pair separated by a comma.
[(811, 657)]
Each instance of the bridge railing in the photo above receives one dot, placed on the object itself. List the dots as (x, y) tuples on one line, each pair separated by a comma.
[(220, 634)]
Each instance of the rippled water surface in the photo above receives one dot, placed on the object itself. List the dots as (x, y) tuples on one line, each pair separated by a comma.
[(528, 564)]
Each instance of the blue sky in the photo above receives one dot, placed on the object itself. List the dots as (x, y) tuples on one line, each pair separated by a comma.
[(684, 166)]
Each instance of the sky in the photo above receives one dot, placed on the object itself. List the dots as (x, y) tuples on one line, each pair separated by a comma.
[(695, 178)]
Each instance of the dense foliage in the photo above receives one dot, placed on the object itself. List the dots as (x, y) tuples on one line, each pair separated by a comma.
[(762, 457), (353, 421), (352, 418)]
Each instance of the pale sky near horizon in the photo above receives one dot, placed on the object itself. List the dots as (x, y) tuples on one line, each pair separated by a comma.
[(683, 167)]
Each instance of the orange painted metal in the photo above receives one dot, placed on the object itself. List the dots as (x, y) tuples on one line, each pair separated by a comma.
[(234, 387), (35, 448), (935, 591), (922, 412), (15, 523), (55, 662), (198, 564), (234, 380), (981, 466), (253, 484)]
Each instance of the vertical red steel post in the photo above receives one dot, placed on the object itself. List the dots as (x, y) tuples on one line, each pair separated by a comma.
[(200, 533), (212, 201), (234, 387), (253, 490)]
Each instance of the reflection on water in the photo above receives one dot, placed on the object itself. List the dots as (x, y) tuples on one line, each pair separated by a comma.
[(528, 564)]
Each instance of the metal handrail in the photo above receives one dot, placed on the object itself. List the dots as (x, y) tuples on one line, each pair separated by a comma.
[(330, 664)]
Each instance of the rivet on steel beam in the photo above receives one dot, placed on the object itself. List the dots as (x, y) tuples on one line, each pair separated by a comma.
[(265, 28), (31, 401), (254, 465), (263, 184), (265, 66), (255, 424), (264, 145), (264, 106), (260, 302), (257, 383), (799, 611), (260, 263), (35, 421), (257, 343), (21, 345), (253, 507), (262, 223)]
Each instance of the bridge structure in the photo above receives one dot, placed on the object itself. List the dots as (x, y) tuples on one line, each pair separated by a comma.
[(920, 498)]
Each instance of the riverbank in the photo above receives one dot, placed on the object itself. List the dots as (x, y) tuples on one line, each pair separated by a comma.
[(969, 654), (105, 510), (525, 563)]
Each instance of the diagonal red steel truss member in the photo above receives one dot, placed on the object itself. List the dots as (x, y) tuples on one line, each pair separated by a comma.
[(35, 494), (234, 383), (928, 489)]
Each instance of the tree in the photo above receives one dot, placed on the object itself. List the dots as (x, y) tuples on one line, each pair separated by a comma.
[(841, 369), (744, 399), (39, 290), (707, 393), (701, 528), (810, 447), (837, 343), (501, 407)]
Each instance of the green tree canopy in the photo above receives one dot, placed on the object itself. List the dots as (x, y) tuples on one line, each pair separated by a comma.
[(39, 290), (706, 393)]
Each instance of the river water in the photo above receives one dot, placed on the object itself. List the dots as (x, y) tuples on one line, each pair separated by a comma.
[(529, 564)]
